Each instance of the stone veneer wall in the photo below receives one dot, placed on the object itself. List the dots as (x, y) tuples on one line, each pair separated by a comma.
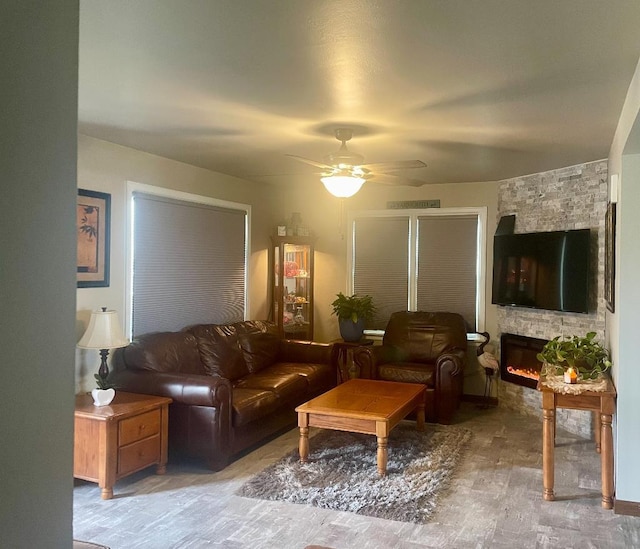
[(568, 198)]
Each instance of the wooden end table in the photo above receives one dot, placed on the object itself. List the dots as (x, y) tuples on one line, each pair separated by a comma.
[(111, 442), (362, 406), (346, 354), (603, 403)]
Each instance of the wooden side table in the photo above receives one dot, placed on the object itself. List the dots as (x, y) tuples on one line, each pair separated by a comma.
[(347, 358), (603, 403), (111, 442)]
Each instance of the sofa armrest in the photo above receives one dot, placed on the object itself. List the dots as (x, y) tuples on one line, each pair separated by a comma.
[(304, 351), (187, 389)]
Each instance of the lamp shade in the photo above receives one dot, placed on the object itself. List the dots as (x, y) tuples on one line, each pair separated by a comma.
[(342, 186), (103, 332)]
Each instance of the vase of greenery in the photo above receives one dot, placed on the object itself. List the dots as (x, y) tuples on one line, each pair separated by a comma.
[(352, 312), (582, 353), (104, 393)]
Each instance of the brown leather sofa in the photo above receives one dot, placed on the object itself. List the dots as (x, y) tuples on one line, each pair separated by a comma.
[(232, 385), (428, 348)]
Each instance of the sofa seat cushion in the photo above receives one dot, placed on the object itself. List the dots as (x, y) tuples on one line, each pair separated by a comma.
[(315, 375), (251, 404), (286, 385), (408, 372)]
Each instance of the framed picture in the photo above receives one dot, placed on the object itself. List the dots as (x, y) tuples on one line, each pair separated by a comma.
[(93, 211), (610, 256)]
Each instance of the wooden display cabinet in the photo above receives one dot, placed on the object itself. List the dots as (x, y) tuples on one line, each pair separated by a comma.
[(292, 286)]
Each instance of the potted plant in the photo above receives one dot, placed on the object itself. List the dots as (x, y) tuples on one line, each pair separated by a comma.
[(104, 393), (352, 312), (584, 354)]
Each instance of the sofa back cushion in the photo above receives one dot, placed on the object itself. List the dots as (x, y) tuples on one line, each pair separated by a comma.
[(260, 349), (220, 350), (420, 336), (175, 352)]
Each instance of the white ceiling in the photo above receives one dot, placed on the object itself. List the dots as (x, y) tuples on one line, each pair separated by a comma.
[(480, 90)]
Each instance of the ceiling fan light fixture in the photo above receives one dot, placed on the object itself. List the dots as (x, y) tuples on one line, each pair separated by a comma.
[(342, 186)]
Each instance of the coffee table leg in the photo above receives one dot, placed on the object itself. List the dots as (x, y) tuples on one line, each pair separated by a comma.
[(382, 433), (420, 414), (382, 456), (303, 447)]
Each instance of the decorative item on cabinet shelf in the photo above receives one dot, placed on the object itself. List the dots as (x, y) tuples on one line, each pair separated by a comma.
[(352, 312), (295, 226)]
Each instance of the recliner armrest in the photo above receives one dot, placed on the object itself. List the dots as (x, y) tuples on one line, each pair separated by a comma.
[(456, 357), (188, 389)]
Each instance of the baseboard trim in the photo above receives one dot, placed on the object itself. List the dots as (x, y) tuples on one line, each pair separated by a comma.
[(631, 508), (480, 400)]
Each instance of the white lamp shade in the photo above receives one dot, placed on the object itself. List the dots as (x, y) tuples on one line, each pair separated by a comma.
[(342, 186), (103, 332)]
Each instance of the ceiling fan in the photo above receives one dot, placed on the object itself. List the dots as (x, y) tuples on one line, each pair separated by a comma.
[(344, 173)]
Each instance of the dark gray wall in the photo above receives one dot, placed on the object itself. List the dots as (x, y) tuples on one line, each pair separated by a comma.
[(38, 147)]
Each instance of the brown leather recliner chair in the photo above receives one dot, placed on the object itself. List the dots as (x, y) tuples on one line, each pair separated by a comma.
[(428, 348)]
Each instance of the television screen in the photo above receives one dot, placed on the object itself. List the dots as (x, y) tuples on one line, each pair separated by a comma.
[(542, 270)]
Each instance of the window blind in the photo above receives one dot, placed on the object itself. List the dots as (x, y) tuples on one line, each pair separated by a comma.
[(447, 265), (381, 264), (189, 264)]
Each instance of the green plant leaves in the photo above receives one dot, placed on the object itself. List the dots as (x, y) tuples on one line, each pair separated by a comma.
[(103, 383), (584, 354), (353, 307)]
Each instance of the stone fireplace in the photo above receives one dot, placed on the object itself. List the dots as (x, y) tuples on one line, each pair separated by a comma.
[(568, 198)]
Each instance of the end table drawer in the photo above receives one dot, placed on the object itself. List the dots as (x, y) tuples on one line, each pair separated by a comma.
[(138, 455), (138, 427)]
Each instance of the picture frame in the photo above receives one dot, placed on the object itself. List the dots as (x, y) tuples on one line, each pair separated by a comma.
[(93, 217), (610, 257)]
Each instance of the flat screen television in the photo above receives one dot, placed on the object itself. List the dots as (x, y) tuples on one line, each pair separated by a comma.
[(543, 270)]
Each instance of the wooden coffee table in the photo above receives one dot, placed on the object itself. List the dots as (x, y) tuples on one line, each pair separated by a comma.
[(362, 406)]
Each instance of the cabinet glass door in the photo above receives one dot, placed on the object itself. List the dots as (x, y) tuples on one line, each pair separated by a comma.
[(293, 287)]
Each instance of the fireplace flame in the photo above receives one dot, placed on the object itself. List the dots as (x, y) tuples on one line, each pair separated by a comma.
[(529, 373)]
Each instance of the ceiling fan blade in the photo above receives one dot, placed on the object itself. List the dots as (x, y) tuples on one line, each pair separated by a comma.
[(312, 162), (388, 179), (391, 166)]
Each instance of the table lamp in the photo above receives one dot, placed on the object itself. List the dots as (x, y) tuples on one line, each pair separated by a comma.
[(103, 333)]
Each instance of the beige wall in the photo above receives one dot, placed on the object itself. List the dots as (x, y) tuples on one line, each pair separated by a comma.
[(106, 167), (39, 46), (622, 326)]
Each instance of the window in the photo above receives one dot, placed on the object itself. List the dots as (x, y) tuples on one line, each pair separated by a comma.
[(431, 260), (188, 260)]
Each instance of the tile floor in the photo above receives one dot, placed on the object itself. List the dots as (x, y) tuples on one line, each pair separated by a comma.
[(495, 501)]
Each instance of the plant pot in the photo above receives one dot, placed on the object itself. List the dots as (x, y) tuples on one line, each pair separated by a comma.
[(102, 397), (351, 331)]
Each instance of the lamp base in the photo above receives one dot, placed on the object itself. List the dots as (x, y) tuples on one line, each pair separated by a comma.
[(103, 397)]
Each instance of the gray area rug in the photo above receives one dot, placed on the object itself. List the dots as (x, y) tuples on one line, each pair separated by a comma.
[(342, 474)]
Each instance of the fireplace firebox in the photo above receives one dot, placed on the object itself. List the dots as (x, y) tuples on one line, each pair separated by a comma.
[(518, 361)]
